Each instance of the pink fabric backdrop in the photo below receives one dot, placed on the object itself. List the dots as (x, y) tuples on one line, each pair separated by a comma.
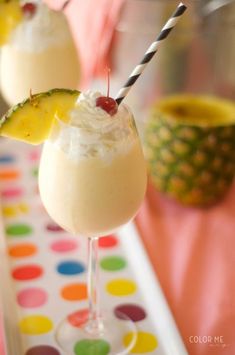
[(92, 23), (193, 253)]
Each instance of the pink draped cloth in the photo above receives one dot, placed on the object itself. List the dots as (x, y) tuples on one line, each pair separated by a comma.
[(92, 23), (193, 253)]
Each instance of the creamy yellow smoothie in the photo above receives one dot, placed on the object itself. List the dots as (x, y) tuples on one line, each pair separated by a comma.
[(92, 175), (40, 55)]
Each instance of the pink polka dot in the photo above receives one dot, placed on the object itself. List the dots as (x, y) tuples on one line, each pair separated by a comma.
[(12, 192), (34, 155), (32, 297), (36, 190), (64, 245)]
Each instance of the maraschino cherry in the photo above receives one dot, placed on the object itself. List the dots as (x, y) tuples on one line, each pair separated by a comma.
[(107, 103), (29, 8)]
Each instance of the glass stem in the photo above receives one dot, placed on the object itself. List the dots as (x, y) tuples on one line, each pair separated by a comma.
[(93, 286)]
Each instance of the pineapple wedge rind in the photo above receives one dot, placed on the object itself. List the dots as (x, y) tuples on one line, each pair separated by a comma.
[(31, 120)]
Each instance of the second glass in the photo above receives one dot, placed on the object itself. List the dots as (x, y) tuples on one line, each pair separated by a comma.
[(92, 181)]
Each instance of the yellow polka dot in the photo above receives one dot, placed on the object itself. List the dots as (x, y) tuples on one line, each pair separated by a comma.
[(23, 207), (9, 211), (35, 325), (121, 287), (146, 342), (14, 210)]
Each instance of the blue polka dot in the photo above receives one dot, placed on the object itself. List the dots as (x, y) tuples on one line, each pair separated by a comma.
[(70, 268), (6, 159)]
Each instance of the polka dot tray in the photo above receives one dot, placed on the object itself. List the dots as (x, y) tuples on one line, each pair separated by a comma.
[(43, 272)]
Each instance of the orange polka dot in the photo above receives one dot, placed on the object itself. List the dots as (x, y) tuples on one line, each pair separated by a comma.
[(22, 250), (9, 174), (74, 292)]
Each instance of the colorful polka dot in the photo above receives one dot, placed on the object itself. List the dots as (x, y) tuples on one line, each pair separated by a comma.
[(35, 172), (36, 190), (121, 287), (108, 242), (22, 250), (42, 350), (18, 230), (34, 155), (74, 292), (23, 207), (14, 210), (63, 246), (27, 272), (35, 325), (9, 174), (146, 342), (53, 227), (6, 159), (113, 263), (88, 347), (9, 211), (70, 268), (32, 297), (12, 192), (78, 318), (131, 311)]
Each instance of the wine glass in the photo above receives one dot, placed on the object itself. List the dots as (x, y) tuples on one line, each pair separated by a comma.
[(92, 181)]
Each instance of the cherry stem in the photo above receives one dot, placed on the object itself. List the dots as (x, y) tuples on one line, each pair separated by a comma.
[(30, 94), (108, 79)]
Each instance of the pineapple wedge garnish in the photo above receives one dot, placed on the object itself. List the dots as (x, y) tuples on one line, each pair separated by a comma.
[(10, 16), (31, 120)]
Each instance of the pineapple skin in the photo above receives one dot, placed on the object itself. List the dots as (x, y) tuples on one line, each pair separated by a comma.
[(194, 165)]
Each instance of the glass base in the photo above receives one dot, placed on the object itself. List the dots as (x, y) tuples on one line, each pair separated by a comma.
[(110, 335)]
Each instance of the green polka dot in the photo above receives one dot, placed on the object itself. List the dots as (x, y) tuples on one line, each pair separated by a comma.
[(113, 263), (18, 230), (90, 347), (35, 172)]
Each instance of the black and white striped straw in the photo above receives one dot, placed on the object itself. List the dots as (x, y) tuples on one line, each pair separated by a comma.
[(170, 24)]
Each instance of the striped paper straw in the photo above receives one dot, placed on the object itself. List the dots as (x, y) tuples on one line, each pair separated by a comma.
[(150, 52)]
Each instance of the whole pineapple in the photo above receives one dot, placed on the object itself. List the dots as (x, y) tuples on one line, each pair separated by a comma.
[(190, 148)]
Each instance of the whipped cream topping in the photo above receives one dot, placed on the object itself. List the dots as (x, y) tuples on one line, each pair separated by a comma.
[(92, 132), (44, 29)]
